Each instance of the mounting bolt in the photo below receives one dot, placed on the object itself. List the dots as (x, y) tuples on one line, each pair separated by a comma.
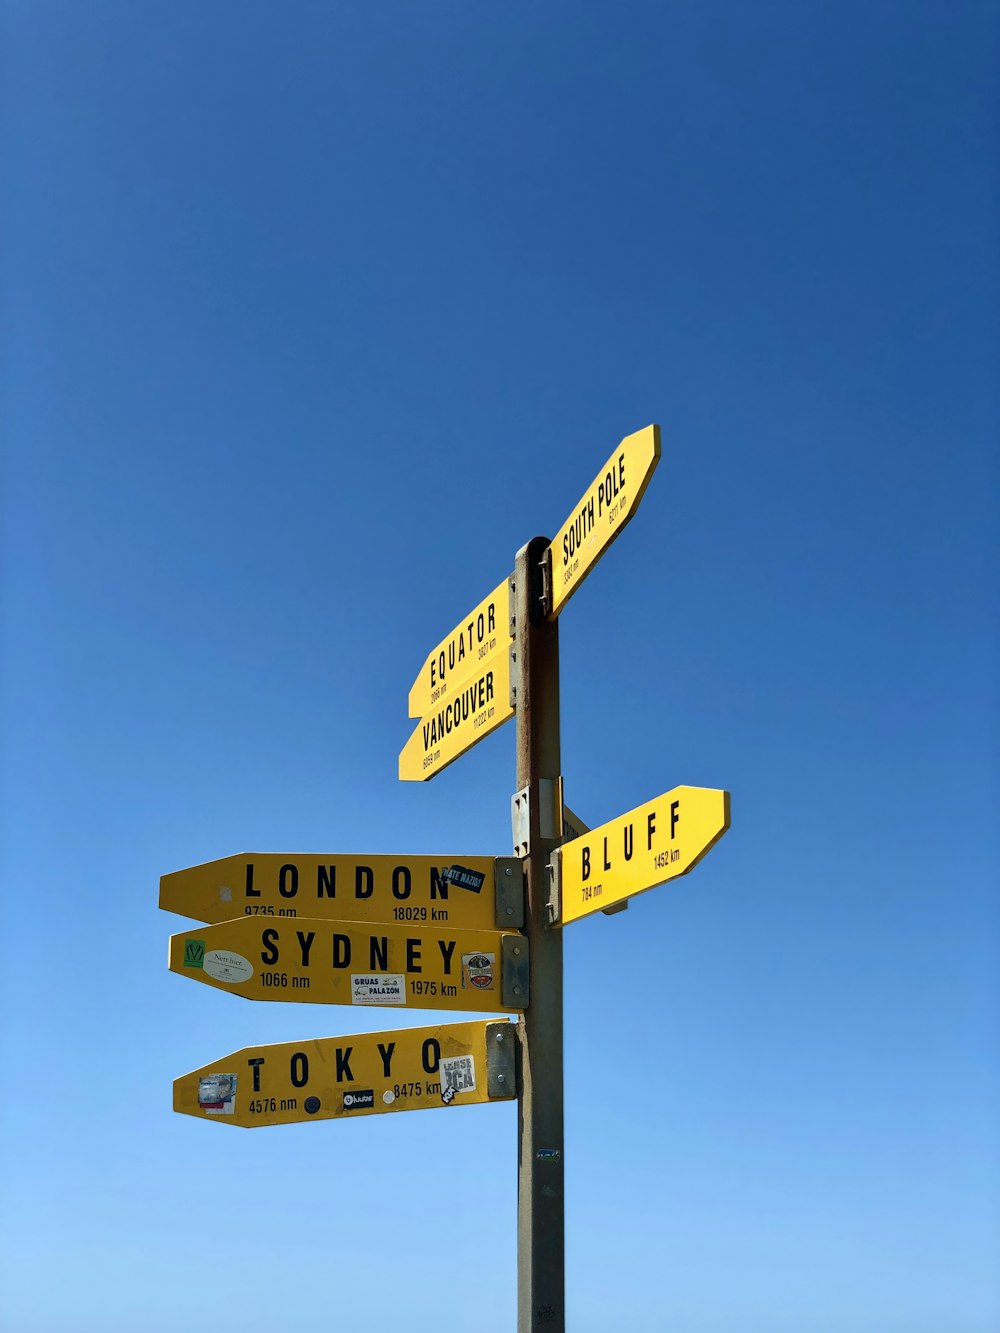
[(499, 1036), (508, 871), (499, 1078)]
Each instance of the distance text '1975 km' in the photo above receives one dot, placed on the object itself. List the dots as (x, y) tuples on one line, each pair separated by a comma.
[(651, 844), (365, 1074), (337, 888), (324, 962)]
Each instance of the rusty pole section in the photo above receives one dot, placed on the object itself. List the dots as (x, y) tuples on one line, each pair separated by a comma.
[(540, 1196)]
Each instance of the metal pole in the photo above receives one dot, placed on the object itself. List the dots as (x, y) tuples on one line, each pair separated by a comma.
[(541, 1282)]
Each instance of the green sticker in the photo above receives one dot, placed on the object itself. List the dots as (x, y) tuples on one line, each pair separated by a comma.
[(194, 953)]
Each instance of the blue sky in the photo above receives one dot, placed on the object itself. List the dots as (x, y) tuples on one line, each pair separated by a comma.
[(313, 315)]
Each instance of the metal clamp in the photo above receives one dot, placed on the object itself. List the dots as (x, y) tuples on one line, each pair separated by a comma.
[(520, 823), (501, 1076), (553, 902), (514, 976), (509, 892), (546, 568)]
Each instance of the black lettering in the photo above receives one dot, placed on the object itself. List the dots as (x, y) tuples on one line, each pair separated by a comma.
[(341, 950), (446, 952), (401, 882), (269, 939), (491, 616), (255, 1065), (629, 841), (430, 1055), (439, 886), (288, 881), (378, 953), (344, 1064), (251, 892), (364, 882), (326, 882), (650, 829), (305, 944), (585, 862), (413, 956), (386, 1053), (607, 863), (674, 817), (299, 1070)]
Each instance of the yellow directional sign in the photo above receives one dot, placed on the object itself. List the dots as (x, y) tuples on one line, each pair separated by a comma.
[(342, 1077), (478, 706), (421, 889), (477, 639), (605, 508), (342, 962), (656, 842)]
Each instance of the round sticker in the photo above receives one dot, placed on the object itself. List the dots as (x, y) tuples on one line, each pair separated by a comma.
[(223, 965)]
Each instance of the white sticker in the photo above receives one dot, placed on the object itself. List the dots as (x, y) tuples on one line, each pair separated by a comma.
[(378, 988), (459, 1073), (217, 1094), (222, 965)]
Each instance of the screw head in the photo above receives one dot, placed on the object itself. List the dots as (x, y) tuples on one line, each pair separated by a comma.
[(508, 871), (499, 1078)]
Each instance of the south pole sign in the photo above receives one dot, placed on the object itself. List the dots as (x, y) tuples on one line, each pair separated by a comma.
[(450, 931)]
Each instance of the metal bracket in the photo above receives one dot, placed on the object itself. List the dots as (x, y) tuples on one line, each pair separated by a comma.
[(512, 603), (553, 904), (501, 1077), (549, 815), (509, 892), (512, 693), (514, 964), (546, 568), (519, 823)]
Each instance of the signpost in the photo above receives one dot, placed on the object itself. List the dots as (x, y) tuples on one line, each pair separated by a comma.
[(475, 641), (658, 841), (473, 709), (441, 932), (607, 505), (341, 962), (455, 890), (342, 1077)]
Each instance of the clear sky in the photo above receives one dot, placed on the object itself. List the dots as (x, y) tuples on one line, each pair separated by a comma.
[(313, 315)]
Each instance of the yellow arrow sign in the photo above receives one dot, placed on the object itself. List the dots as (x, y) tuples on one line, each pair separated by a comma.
[(421, 889), (342, 962), (605, 508), (656, 842), (477, 707), (477, 639), (334, 1077)]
